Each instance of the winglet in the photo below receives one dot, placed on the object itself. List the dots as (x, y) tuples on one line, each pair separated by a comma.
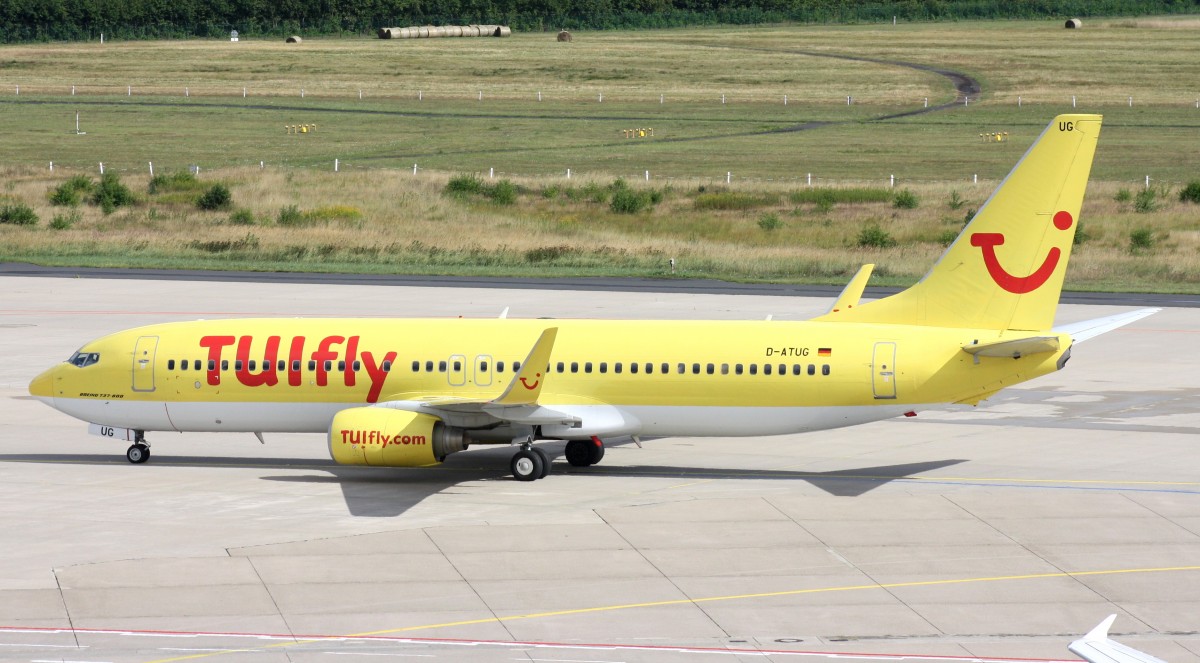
[(853, 290), (526, 385), (1097, 647)]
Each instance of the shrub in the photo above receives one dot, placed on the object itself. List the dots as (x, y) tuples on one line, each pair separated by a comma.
[(462, 185), (216, 198), (242, 217), (333, 213), (1146, 201), (905, 199), (503, 193), (594, 192), (110, 193), (874, 237), (1141, 239), (1123, 196), (64, 221), (1081, 235), (18, 214), (769, 222), (548, 253), (947, 237), (551, 192), (69, 193), (290, 216), (956, 201), (728, 200), (1190, 193), (178, 181), (629, 201), (831, 195)]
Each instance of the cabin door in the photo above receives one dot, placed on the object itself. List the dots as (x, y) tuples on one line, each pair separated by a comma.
[(883, 370), (143, 363)]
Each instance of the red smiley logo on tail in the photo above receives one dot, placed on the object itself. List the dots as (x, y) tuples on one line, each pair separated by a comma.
[(1019, 285), (533, 386)]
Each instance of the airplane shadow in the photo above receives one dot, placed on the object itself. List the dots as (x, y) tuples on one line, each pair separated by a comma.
[(388, 492)]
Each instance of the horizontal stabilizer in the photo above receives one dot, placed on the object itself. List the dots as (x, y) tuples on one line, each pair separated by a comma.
[(1097, 647), (526, 385), (853, 291), (1015, 348), (1082, 331)]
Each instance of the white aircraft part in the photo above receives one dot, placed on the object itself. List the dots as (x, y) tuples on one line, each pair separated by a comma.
[(1097, 647), (1082, 331)]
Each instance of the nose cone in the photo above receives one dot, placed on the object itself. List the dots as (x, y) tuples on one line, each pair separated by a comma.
[(42, 386)]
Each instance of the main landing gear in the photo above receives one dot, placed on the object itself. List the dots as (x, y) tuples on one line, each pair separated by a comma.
[(582, 453), (139, 451)]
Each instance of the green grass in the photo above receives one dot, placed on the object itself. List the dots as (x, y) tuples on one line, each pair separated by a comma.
[(744, 152)]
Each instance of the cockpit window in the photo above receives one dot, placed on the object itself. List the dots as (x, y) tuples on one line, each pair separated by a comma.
[(82, 359)]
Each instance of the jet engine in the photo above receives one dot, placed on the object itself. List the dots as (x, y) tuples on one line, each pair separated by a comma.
[(384, 437)]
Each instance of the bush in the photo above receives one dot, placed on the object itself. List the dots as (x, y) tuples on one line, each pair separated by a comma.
[(875, 237), (463, 185), (1146, 201), (290, 216), (503, 193), (1123, 196), (216, 198), (242, 217), (595, 193), (1190, 193), (69, 193), (905, 199), (178, 181), (629, 201), (831, 195), (1140, 240), (111, 193), (947, 237), (64, 221), (769, 222), (956, 201), (18, 214), (1081, 235)]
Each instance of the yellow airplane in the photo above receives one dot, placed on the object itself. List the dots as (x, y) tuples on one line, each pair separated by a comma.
[(409, 392)]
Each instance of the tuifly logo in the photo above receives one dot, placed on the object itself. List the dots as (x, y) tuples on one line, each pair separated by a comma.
[(1019, 285)]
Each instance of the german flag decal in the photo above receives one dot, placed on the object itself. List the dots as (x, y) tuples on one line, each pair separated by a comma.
[(824, 352)]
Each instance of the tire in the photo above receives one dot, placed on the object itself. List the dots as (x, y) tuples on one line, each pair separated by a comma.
[(545, 461), (526, 466), (578, 453), (137, 453), (595, 453)]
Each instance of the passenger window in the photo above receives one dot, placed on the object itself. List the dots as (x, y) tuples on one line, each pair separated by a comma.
[(561, 367), (766, 369), (617, 367), (458, 365), (753, 369), (429, 367), (516, 367), (342, 366), (224, 364), (212, 364), (386, 366), (441, 367), (665, 368), (499, 367), (681, 368), (825, 369), (649, 368), (812, 369), (295, 365), (170, 364), (328, 365), (587, 367), (795, 369), (416, 366), (252, 365), (783, 369), (603, 367), (633, 367), (711, 369), (695, 369), (483, 366), (312, 365), (724, 369), (574, 367), (737, 368)]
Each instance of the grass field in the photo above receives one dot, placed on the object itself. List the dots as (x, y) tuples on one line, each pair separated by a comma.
[(421, 105)]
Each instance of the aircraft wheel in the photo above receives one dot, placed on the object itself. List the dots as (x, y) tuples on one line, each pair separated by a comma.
[(137, 453), (545, 461), (579, 453), (595, 453), (526, 466)]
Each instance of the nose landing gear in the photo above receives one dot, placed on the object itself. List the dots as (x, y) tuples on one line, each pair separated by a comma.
[(139, 451)]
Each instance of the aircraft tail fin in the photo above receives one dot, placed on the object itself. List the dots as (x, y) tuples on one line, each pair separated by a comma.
[(1005, 270)]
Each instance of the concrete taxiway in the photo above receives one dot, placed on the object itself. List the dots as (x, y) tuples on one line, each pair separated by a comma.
[(1001, 532)]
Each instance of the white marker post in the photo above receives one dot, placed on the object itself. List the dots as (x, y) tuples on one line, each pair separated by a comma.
[(728, 177), (420, 95), (1072, 101), (151, 168), (414, 169), (102, 168), (301, 93), (927, 102), (243, 93), (722, 98), (647, 176), (481, 95), (892, 181), (539, 95), (18, 90), (975, 179), (491, 173), (1018, 101), (335, 165), (52, 166), (72, 90), (568, 173), (848, 98), (1147, 181), (1131, 102), (187, 92), (600, 98), (660, 99), (810, 179), (785, 100), (360, 95)]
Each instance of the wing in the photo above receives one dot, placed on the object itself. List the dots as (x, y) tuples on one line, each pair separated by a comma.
[(1097, 647)]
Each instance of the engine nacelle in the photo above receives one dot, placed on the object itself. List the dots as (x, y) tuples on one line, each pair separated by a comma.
[(384, 437)]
